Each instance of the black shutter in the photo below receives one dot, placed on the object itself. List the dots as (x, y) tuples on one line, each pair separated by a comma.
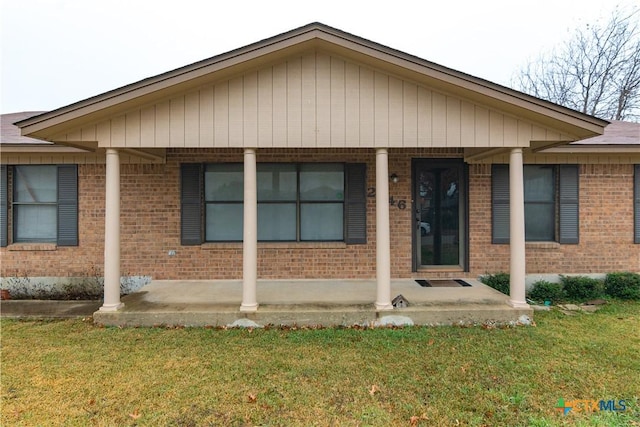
[(569, 223), (356, 204), (191, 204), (68, 205), (3, 205), (500, 215), (636, 204)]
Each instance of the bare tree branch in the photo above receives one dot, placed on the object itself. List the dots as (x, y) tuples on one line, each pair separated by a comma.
[(596, 72)]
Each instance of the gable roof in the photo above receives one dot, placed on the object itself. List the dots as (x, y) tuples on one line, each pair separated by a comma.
[(311, 36)]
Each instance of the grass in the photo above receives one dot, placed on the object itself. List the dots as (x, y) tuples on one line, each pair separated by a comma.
[(75, 373)]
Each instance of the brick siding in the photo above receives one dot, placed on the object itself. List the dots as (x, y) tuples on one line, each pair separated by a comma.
[(150, 226)]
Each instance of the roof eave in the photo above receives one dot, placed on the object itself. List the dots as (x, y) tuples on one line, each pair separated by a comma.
[(45, 125)]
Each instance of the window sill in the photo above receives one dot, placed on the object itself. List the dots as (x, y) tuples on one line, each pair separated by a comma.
[(277, 245), (542, 245), (32, 247)]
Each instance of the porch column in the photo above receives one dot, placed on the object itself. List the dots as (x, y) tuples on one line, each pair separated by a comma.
[(383, 241), (250, 234), (517, 268), (112, 233)]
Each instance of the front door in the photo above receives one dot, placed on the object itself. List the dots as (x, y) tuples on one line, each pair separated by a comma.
[(440, 213)]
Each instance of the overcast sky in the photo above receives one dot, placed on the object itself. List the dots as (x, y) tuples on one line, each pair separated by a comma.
[(56, 52)]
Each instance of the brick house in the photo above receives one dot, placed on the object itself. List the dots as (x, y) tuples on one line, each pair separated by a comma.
[(317, 154)]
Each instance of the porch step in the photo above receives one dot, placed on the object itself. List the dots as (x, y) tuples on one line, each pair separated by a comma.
[(467, 314)]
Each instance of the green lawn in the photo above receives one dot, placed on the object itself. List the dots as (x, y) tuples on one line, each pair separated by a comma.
[(75, 373)]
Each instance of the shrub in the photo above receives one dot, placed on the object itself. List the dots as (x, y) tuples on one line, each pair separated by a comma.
[(623, 285), (543, 290), (582, 287), (498, 281)]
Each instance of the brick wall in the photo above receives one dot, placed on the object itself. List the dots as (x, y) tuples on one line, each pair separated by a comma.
[(150, 226), (606, 227)]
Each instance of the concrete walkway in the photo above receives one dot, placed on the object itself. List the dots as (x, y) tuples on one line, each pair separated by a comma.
[(47, 309), (309, 302)]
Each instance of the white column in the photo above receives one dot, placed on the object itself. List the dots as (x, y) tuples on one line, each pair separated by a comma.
[(112, 233), (383, 241), (250, 234), (517, 268)]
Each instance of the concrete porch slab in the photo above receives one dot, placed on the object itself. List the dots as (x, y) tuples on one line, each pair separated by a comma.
[(308, 303)]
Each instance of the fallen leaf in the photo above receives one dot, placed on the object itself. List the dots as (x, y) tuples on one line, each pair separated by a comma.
[(374, 389), (415, 419), (431, 342), (252, 398), (135, 415)]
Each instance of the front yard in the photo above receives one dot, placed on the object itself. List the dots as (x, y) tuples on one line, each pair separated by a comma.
[(75, 373)]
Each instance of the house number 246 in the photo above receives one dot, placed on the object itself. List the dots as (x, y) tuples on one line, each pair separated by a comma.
[(401, 204)]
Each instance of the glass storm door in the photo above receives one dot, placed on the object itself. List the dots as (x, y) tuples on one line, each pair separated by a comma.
[(439, 213)]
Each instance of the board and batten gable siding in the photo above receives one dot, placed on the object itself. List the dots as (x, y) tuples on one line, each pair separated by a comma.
[(314, 101)]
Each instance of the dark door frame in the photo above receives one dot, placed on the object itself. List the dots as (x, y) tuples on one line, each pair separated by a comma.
[(464, 201)]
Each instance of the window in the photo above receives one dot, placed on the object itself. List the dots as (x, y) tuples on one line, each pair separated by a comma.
[(539, 203), (550, 203), (296, 202), (44, 204), (321, 201), (223, 192), (35, 204), (277, 201)]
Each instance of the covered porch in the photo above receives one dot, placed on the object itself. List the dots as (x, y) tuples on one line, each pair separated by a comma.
[(311, 303), (248, 298)]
